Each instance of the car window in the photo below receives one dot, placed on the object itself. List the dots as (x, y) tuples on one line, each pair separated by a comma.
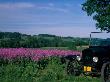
[(100, 39)]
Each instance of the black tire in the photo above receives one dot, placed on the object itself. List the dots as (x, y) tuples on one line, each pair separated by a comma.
[(73, 68), (105, 72)]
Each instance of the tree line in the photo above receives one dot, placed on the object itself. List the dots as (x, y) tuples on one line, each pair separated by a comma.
[(17, 40)]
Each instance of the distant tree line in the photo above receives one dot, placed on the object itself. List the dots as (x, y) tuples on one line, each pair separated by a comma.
[(16, 40)]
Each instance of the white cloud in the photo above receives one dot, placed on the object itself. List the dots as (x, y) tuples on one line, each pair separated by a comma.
[(53, 9), (51, 4), (24, 5), (16, 5)]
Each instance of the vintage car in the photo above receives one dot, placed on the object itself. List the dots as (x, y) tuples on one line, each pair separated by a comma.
[(94, 61)]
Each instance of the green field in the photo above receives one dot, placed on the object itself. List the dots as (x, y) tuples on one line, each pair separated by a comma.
[(61, 48), (46, 70)]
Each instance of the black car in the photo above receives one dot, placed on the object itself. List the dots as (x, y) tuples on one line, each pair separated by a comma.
[(94, 61), (94, 57)]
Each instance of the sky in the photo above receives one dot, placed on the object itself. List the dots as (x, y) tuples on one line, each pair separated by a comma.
[(58, 17)]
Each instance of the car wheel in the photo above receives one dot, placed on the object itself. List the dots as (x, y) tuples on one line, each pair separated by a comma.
[(73, 68), (105, 72)]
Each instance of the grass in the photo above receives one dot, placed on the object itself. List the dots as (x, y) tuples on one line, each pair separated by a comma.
[(46, 70), (63, 48)]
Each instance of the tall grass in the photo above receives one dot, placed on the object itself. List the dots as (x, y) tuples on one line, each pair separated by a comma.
[(45, 70)]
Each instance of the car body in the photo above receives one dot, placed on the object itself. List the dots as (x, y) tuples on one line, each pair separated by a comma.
[(93, 59)]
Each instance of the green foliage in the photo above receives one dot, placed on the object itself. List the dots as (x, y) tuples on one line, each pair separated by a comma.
[(17, 73), (61, 48), (46, 35), (100, 9), (54, 71), (16, 40)]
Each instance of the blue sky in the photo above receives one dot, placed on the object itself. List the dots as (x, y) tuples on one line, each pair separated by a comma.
[(59, 17)]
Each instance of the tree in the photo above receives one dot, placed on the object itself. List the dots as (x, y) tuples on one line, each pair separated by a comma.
[(100, 9)]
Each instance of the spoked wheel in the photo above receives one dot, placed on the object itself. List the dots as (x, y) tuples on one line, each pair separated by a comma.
[(105, 72), (73, 68)]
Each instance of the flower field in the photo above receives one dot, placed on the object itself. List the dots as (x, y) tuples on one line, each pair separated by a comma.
[(33, 53), (36, 65)]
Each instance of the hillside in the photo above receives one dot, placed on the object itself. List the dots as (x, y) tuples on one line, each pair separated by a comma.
[(16, 40)]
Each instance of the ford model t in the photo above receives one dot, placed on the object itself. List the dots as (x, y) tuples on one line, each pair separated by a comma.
[(94, 61)]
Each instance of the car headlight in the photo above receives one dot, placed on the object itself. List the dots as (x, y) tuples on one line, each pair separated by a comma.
[(95, 59), (78, 58)]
